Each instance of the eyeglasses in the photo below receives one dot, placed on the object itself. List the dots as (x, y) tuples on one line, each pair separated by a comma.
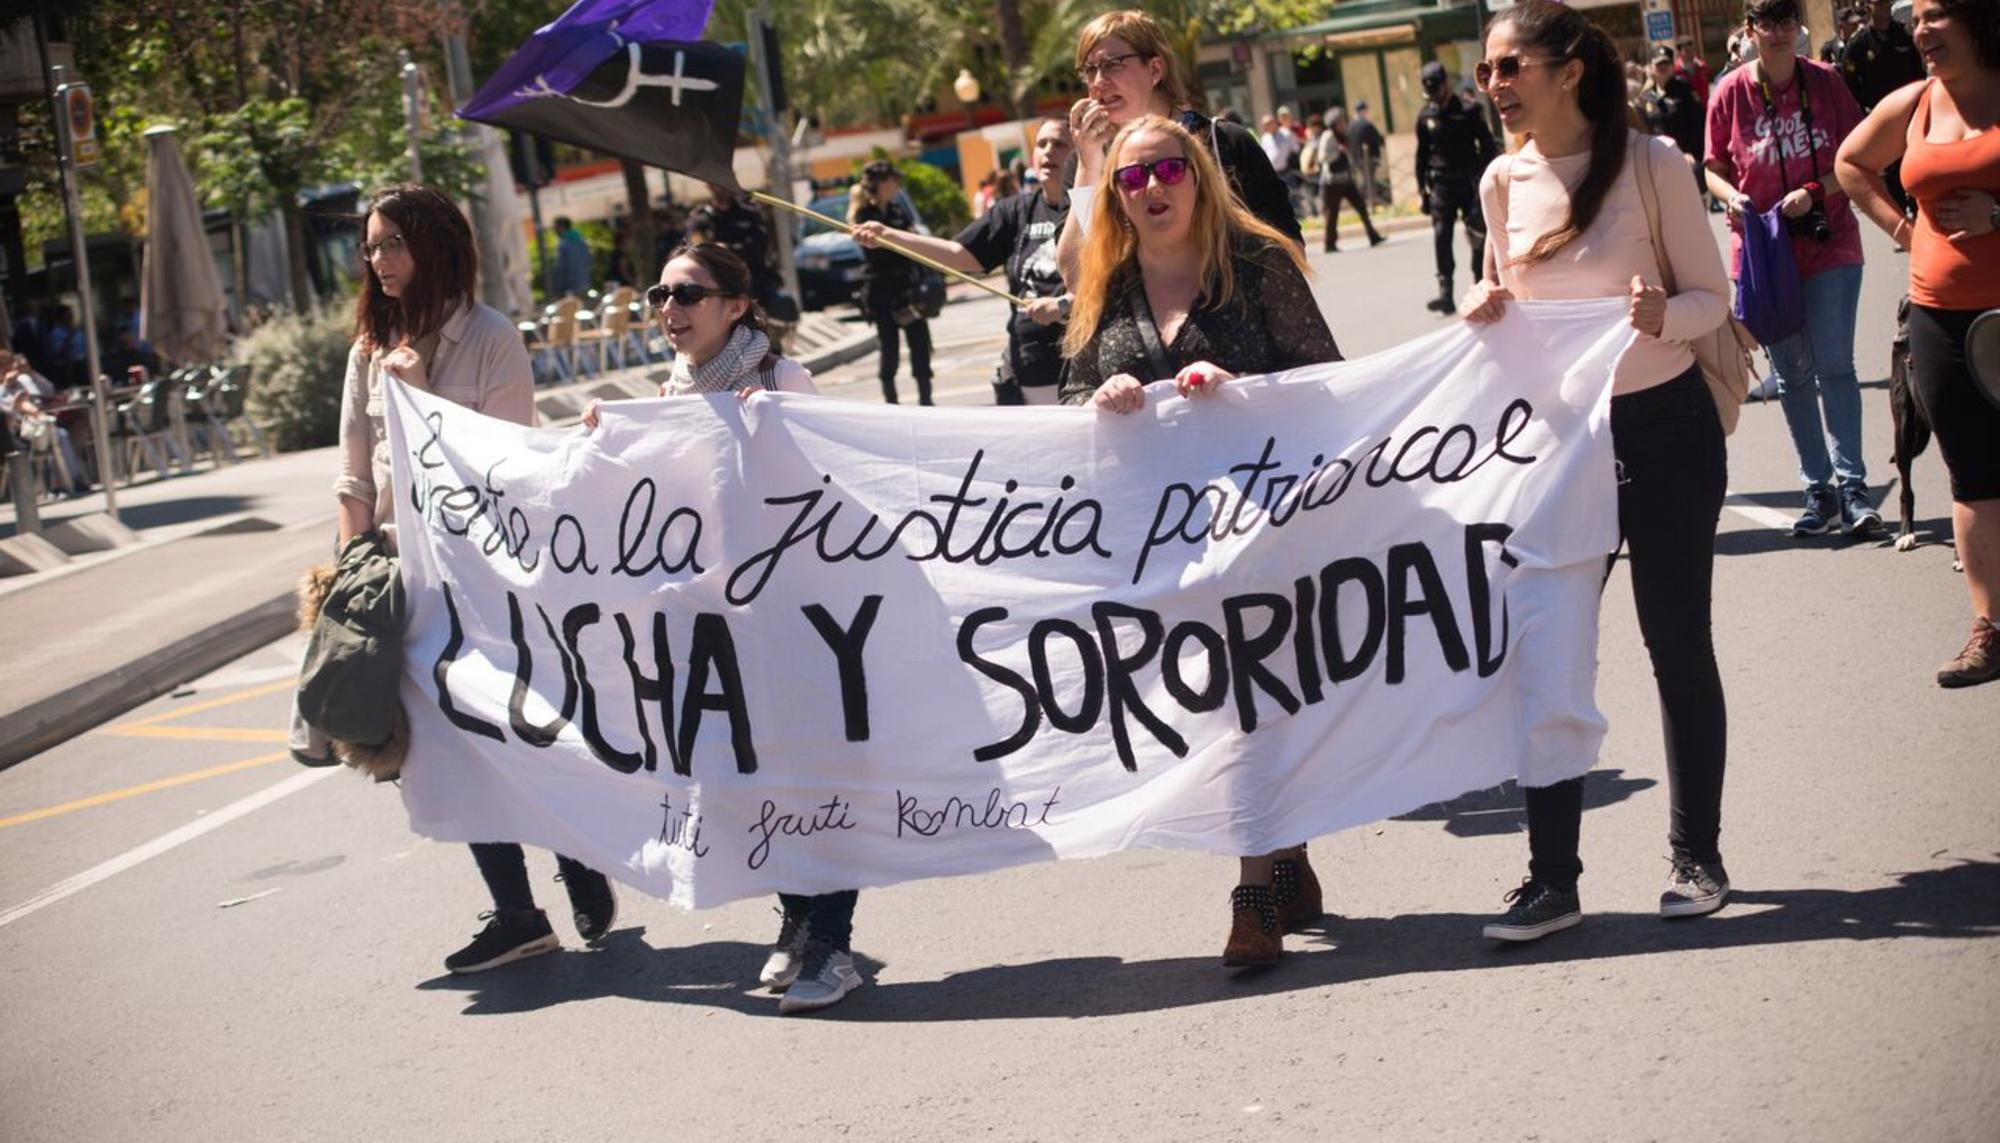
[(1106, 66), (1133, 179), (393, 244), (686, 293), (1506, 67), (1778, 24)]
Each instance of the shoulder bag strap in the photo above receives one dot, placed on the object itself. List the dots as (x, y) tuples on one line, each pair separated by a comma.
[(1649, 196)]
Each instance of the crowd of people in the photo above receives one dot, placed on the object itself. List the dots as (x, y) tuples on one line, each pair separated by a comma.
[(1158, 244)]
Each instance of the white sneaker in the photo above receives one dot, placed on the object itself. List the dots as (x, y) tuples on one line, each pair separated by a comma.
[(823, 980), (781, 968)]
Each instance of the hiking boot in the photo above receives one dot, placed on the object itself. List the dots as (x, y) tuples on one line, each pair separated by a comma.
[(1538, 910), (592, 901), (1295, 892), (826, 975), (1254, 935), (1694, 887), (509, 935), (1979, 662), (1442, 304), (1858, 516), (1821, 515), (788, 953)]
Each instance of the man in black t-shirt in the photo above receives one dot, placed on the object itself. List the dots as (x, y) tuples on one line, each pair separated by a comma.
[(1019, 232)]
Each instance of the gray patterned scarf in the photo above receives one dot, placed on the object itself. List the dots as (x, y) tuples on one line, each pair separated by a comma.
[(729, 370)]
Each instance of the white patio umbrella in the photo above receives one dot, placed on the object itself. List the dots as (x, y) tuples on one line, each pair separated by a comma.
[(181, 307)]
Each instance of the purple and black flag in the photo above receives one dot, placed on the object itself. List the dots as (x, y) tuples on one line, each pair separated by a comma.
[(630, 78)]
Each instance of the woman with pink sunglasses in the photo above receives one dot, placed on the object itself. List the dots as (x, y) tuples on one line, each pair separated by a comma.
[(1178, 281)]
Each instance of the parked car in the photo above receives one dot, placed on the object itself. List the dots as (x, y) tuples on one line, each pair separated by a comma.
[(831, 270)]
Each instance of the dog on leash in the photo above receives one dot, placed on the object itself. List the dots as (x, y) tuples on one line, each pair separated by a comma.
[(1912, 429)]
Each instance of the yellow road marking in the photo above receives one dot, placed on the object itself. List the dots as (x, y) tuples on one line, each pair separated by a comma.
[(145, 788), (197, 708), (201, 733)]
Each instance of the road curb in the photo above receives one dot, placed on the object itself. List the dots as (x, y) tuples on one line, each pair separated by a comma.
[(32, 729), (840, 353)]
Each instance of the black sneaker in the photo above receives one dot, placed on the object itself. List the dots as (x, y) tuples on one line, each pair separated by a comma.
[(1858, 516), (1822, 513), (1537, 911), (1693, 888), (594, 902), (509, 935)]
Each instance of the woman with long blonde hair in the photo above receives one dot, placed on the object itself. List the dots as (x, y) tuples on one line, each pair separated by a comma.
[(1178, 281)]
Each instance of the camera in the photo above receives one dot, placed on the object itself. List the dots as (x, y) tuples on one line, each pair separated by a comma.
[(1812, 224)]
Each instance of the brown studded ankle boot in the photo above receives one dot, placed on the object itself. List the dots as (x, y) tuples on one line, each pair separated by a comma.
[(1296, 893), (1254, 936)]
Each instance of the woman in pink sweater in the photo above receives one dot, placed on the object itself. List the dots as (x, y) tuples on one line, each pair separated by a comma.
[(1567, 220)]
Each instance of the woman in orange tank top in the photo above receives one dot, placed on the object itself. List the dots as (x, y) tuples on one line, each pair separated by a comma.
[(1946, 131)]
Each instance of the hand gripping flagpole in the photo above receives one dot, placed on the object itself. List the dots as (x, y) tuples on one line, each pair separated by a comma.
[(912, 255)]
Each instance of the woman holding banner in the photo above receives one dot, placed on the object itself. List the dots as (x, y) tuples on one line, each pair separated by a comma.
[(706, 304), (1128, 69), (1570, 219), (1946, 133), (416, 319), (1180, 282)]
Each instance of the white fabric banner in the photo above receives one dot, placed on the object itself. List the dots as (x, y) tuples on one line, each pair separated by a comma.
[(719, 648)]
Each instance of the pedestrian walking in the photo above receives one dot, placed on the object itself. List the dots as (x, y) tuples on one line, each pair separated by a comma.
[(1019, 232), (417, 318), (1337, 183), (1129, 69), (1182, 283), (1453, 147), (1945, 131), (892, 282), (1364, 146), (1774, 125), (1572, 218), (574, 263)]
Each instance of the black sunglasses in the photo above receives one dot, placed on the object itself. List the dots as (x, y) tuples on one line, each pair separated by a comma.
[(1506, 67), (1133, 179), (686, 293)]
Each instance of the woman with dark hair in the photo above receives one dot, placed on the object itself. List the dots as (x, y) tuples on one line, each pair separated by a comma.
[(1945, 130), (892, 280), (1773, 127), (1128, 69), (1181, 283), (706, 304), (416, 319), (1570, 215)]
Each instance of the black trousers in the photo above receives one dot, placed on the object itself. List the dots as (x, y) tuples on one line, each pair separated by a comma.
[(1672, 467), (1451, 199), (1331, 196), (829, 917), (881, 308), (505, 870)]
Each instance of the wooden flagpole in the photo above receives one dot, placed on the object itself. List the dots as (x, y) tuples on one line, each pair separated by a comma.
[(912, 255)]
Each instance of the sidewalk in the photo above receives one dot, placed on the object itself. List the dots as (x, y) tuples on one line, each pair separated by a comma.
[(212, 575)]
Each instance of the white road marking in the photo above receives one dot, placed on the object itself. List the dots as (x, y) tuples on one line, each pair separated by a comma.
[(164, 843), (1757, 513)]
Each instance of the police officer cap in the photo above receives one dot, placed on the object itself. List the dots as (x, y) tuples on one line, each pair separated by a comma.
[(1663, 54), (1433, 75)]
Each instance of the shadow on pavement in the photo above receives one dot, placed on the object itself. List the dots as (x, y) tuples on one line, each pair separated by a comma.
[(141, 516), (1958, 901), (1759, 541), (1487, 813)]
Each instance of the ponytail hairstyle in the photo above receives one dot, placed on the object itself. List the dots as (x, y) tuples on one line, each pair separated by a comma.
[(1556, 31), (731, 273)]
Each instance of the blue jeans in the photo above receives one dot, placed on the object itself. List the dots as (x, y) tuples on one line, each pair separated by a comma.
[(1816, 368)]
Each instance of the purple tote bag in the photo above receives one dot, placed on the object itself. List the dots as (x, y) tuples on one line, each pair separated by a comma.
[(1769, 300)]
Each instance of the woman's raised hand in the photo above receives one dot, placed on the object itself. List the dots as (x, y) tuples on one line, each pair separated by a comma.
[(1485, 302), (590, 414), (404, 363), (1122, 393)]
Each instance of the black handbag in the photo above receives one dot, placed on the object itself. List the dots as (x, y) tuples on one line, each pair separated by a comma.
[(922, 299)]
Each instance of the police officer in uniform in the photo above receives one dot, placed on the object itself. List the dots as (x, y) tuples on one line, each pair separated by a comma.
[(1877, 60), (1454, 145), (737, 225)]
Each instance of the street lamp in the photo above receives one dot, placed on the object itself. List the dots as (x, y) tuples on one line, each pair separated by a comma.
[(966, 87)]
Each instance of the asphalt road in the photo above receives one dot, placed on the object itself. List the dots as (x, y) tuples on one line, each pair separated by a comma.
[(200, 941)]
